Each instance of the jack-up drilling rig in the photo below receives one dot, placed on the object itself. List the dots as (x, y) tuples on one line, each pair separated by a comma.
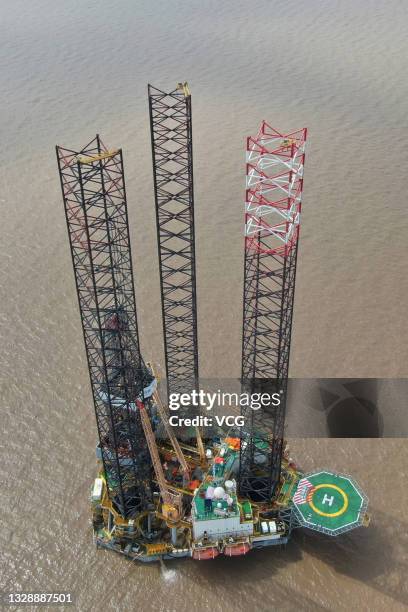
[(166, 493)]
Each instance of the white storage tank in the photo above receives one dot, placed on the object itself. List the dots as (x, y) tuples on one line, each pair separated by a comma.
[(97, 490), (209, 494), (219, 492), (229, 486)]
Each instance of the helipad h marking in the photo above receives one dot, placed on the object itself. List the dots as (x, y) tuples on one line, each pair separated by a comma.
[(330, 514)]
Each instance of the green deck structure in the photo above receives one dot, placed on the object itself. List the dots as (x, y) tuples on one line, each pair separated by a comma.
[(329, 502), (220, 471)]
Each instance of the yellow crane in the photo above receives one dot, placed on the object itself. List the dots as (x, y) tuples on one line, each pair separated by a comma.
[(169, 430), (171, 507)]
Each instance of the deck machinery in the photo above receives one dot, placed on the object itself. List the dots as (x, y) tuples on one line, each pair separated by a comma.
[(163, 492)]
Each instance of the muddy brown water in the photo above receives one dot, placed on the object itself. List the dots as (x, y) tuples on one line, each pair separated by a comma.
[(72, 69)]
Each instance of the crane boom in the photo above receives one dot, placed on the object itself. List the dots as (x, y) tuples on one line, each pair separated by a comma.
[(170, 432), (171, 501)]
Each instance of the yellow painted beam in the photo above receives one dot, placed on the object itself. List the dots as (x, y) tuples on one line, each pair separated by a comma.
[(83, 159)]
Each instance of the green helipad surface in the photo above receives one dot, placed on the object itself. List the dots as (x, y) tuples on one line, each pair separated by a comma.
[(329, 502)]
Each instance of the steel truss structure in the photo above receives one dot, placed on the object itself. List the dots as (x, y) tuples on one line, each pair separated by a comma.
[(171, 137), (93, 188), (273, 204)]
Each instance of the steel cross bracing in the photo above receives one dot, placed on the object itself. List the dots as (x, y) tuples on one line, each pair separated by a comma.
[(93, 188), (171, 135), (273, 204)]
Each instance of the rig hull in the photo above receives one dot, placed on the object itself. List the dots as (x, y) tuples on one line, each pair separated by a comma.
[(216, 521)]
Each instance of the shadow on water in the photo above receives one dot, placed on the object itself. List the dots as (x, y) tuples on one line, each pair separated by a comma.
[(350, 406), (256, 573), (375, 556)]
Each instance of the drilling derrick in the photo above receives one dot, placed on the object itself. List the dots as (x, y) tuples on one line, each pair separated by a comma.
[(273, 204), (93, 188), (171, 136)]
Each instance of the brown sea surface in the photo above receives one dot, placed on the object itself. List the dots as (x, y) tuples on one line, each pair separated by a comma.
[(71, 69)]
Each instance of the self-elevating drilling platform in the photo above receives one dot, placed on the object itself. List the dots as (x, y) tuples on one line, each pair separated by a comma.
[(162, 492)]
